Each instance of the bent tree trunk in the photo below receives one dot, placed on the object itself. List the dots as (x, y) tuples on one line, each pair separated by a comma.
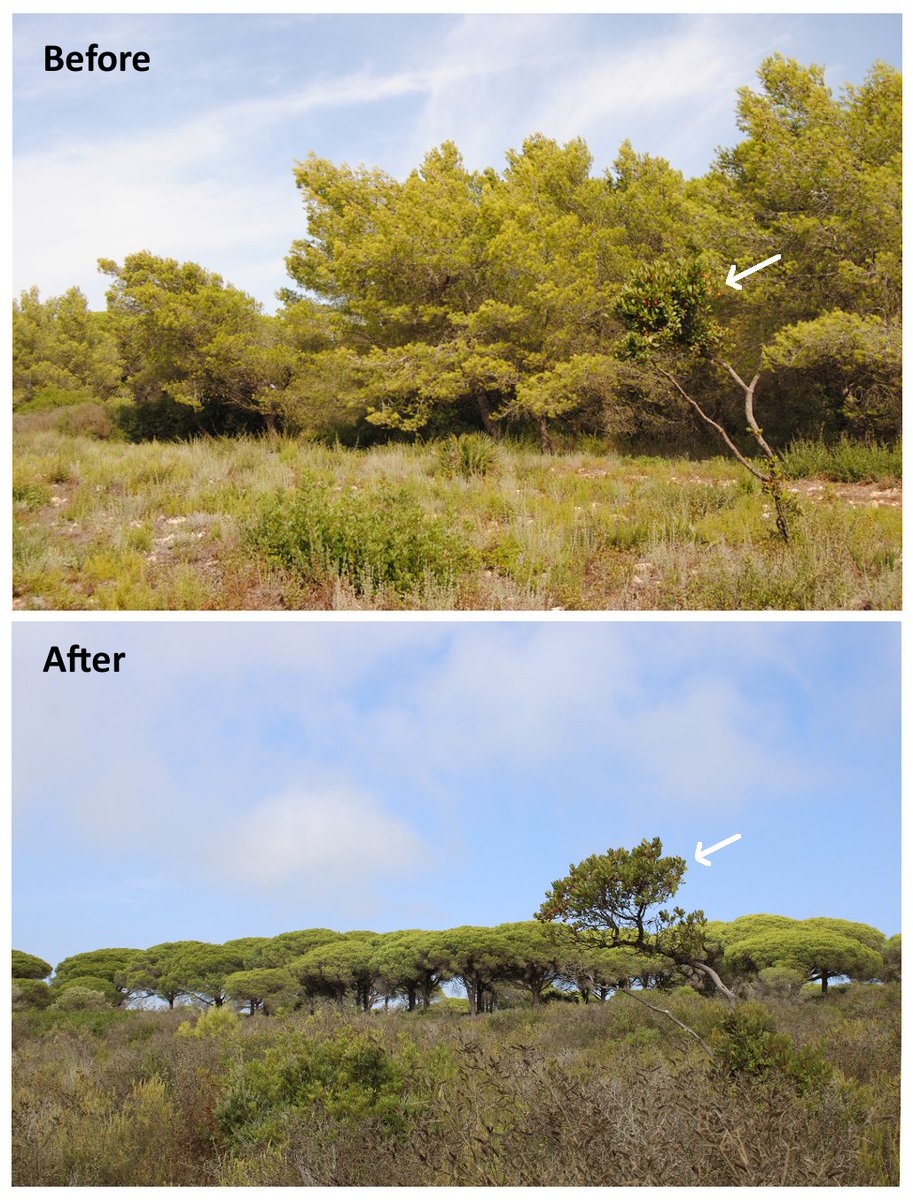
[(770, 480), (675, 1021), (715, 979)]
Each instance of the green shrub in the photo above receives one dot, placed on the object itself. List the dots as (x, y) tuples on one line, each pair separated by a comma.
[(372, 537), (30, 993), (350, 1077), (780, 981), (215, 1022), (468, 455), (91, 983), (56, 397), (749, 1046), (81, 999), (31, 495), (846, 461)]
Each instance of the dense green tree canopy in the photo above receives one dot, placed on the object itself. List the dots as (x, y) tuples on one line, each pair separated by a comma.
[(259, 987), (542, 296), (191, 340), (29, 966), (503, 965), (336, 967), (820, 948), (110, 965), (62, 351), (616, 892)]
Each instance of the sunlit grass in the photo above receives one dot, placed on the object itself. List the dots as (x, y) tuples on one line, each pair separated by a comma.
[(106, 524)]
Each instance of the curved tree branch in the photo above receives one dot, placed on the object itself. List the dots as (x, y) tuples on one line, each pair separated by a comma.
[(675, 1021), (746, 463), (748, 389)]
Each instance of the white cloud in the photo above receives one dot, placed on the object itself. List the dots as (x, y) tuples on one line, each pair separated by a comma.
[(335, 838), (201, 187)]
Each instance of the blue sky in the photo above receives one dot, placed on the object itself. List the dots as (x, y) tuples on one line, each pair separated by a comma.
[(244, 779), (194, 158)]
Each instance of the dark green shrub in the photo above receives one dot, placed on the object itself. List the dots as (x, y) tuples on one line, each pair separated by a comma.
[(381, 536), (749, 1046), (31, 495), (350, 1078), (30, 994)]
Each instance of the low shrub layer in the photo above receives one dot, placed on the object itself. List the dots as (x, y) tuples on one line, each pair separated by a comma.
[(604, 1094)]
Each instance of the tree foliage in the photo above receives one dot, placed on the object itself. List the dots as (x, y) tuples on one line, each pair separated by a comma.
[(29, 966), (540, 296)]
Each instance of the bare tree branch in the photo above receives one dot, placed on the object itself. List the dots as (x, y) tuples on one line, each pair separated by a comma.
[(748, 389), (746, 463), (675, 1021)]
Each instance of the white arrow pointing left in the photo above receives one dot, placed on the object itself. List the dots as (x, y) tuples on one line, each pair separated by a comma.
[(733, 277), (701, 854)]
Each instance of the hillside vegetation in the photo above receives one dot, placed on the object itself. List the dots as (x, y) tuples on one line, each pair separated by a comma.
[(285, 524), (803, 1092), (542, 304), (608, 1041)]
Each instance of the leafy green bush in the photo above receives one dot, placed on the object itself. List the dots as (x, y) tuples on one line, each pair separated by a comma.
[(749, 1046), (76, 998), (215, 1022), (30, 495), (468, 455), (350, 1077), (30, 993), (56, 397), (377, 536), (846, 461)]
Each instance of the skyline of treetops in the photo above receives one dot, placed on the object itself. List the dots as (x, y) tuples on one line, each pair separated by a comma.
[(599, 929)]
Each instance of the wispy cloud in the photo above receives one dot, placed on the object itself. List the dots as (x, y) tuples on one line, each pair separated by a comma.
[(211, 179)]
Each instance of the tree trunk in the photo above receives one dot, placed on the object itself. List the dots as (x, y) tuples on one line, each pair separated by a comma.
[(270, 418), (717, 982), (488, 424), (536, 989), (545, 436), (471, 996), (823, 985)]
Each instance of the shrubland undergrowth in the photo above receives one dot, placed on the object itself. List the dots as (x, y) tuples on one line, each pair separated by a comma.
[(803, 1092)]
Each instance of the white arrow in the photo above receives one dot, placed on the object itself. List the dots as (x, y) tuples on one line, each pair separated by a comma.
[(733, 279), (701, 854)]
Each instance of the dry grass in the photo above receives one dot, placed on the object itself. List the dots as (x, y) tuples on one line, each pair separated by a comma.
[(605, 1094), (109, 525)]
